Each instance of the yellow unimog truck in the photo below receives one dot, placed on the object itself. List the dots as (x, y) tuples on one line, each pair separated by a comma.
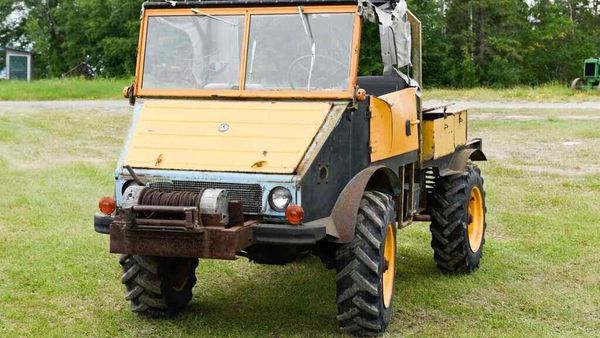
[(253, 136)]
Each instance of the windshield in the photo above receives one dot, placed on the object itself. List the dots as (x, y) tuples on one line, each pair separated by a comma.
[(247, 51), (305, 52), (193, 52)]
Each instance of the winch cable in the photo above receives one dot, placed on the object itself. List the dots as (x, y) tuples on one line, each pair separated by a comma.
[(158, 197), (155, 196)]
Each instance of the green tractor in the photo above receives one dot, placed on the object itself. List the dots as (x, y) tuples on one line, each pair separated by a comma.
[(591, 75)]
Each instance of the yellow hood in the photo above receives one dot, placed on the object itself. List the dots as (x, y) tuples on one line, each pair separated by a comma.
[(238, 136)]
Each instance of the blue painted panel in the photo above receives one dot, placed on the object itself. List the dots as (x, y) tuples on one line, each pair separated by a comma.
[(266, 181)]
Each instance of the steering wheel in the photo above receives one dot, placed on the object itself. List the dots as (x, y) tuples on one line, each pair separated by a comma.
[(324, 73)]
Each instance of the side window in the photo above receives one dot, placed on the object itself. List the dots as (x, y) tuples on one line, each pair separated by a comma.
[(370, 62)]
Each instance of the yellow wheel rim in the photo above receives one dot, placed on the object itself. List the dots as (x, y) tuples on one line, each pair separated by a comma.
[(475, 219), (389, 255)]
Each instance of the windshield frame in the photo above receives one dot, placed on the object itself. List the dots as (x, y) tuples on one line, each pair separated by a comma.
[(242, 92)]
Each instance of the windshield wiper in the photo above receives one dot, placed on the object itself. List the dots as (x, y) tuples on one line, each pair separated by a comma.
[(199, 12), (313, 47), (252, 55)]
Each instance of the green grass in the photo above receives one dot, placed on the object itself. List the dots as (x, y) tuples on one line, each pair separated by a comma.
[(81, 89), (539, 277), (556, 92), (69, 89)]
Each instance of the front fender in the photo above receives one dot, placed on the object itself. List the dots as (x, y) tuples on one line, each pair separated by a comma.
[(343, 217)]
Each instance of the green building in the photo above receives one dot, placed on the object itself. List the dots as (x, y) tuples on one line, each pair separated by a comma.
[(15, 64)]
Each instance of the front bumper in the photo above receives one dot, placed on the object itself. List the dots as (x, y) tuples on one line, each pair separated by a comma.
[(207, 242), (102, 223), (283, 234)]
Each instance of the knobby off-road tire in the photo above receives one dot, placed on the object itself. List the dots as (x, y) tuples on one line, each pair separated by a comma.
[(366, 268), (457, 209), (158, 286)]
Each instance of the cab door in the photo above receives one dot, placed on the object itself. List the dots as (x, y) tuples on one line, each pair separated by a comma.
[(394, 124)]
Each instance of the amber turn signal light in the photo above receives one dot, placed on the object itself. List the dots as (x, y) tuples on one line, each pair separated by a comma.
[(126, 92), (360, 95), (107, 205), (294, 214)]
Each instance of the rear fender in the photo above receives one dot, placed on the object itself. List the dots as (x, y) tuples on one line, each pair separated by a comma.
[(459, 160), (343, 216)]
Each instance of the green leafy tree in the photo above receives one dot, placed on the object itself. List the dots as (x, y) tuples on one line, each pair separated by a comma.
[(438, 66), (465, 42), (487, 40), (64, 33), (564, 33)]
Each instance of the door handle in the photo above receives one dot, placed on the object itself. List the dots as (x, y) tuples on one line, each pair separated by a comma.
[(409, 125)]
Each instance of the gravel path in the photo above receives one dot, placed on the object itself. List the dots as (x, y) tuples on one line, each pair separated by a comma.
[(93, 105), (514, 105), (117, 106)]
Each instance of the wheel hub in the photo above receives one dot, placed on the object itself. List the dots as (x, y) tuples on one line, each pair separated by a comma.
[(389, 266), (475, 219)]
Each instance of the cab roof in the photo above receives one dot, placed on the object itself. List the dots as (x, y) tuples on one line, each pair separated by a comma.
[(254, 3)]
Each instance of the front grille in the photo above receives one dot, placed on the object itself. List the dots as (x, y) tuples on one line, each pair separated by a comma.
[(250, 195), (590, 69)]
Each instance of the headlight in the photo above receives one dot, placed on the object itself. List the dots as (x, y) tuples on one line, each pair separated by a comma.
[(279, 199)]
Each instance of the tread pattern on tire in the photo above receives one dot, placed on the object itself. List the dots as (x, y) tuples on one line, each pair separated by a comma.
[(449, 225), (147, 291), (358, 269)]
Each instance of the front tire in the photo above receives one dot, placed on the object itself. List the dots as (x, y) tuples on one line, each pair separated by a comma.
[(457, 209), (158, 286), (366, 268)]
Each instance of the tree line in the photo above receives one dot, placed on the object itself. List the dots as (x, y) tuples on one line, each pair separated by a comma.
[(465, 42), (507, 42)]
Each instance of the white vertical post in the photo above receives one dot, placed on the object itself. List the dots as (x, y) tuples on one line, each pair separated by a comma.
[(8, 65)]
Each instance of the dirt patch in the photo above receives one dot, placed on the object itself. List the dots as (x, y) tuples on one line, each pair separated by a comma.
[(497, 116), (458, 105)]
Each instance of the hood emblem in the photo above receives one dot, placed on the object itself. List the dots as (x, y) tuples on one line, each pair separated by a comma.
[(223, 127)]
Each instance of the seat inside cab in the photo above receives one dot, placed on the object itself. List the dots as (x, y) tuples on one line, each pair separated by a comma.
[(378, 85), (372, 77)]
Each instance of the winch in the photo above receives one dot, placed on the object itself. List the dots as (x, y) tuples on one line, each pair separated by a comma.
[(146, 206)]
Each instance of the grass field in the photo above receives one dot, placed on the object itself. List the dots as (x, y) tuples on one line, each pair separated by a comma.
[(540, 275), (80, 89), (70, 89), (556, 92)]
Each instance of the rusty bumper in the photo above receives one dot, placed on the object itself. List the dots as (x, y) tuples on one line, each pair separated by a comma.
[(209, 241)]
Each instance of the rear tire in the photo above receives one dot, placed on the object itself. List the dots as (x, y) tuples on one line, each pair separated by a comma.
[(457, 209), (158, 286), (577, 84), (366, 268)]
